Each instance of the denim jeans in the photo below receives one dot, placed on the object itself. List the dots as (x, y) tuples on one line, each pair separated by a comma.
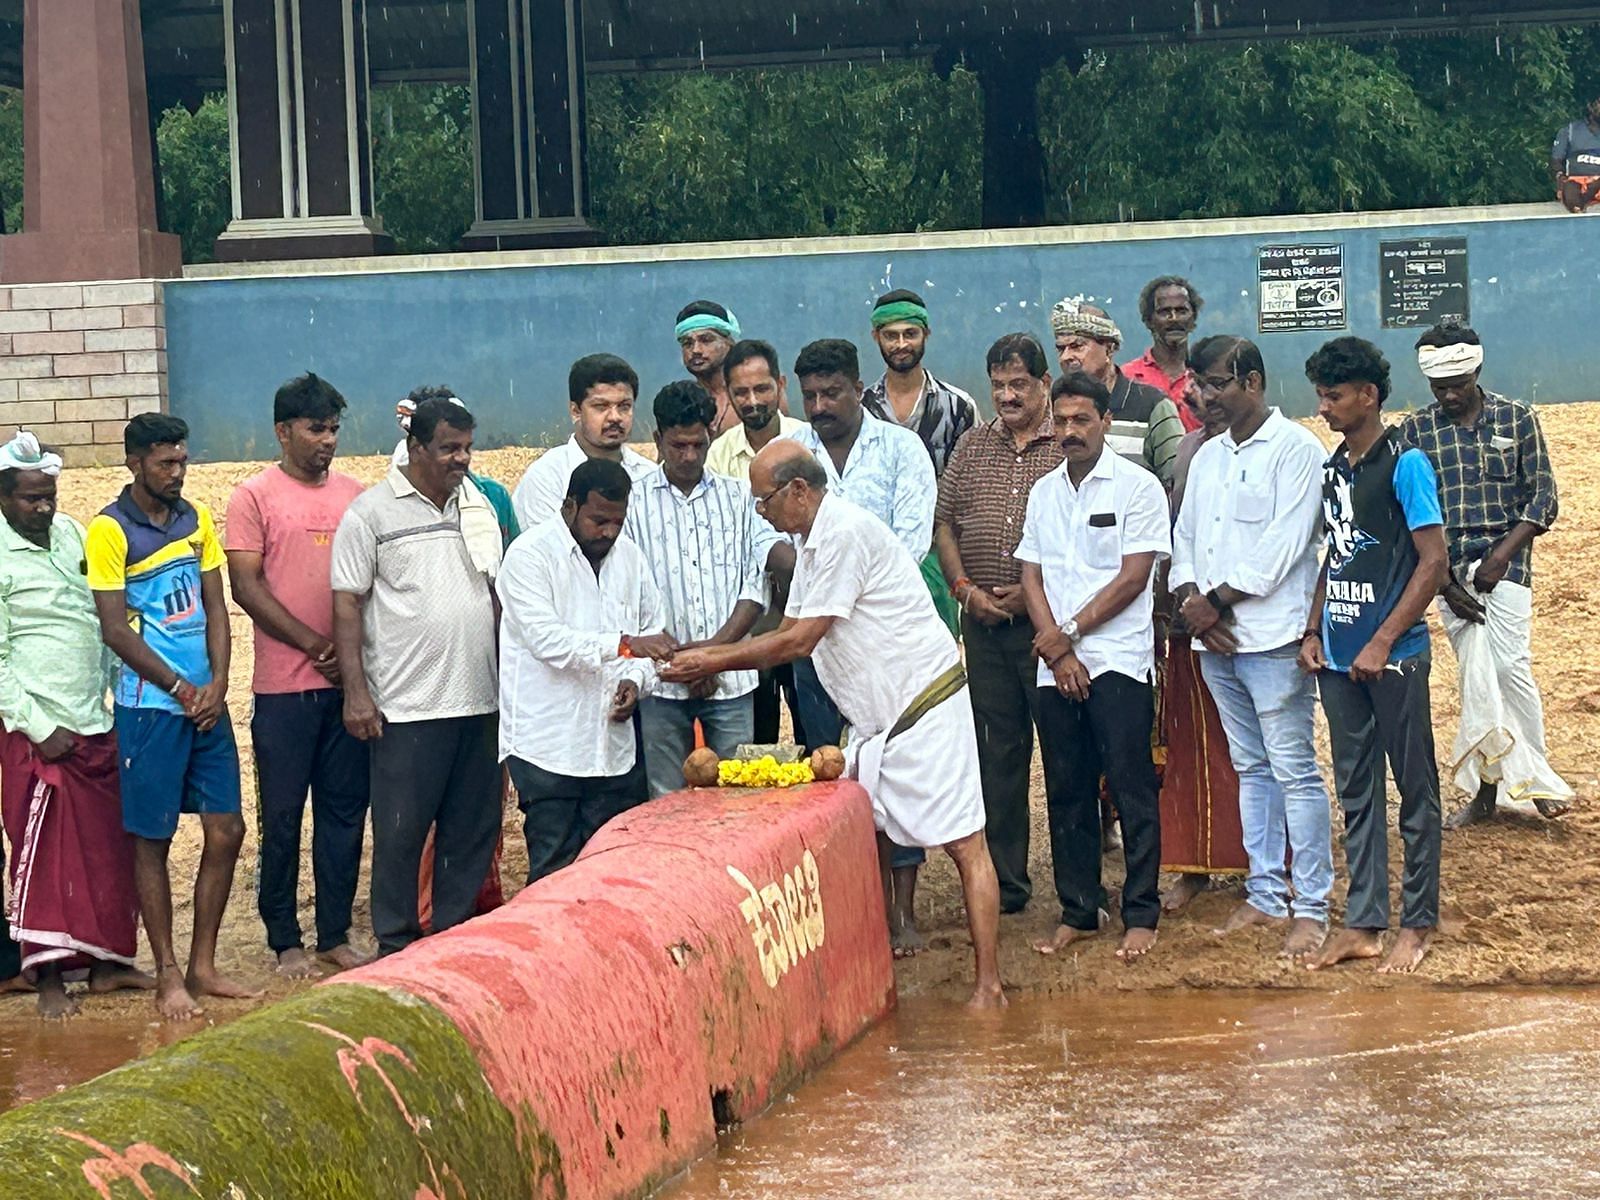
[(668, 727), (1266, 703)]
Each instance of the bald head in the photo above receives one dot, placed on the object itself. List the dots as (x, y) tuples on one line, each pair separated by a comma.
[(788, 484)]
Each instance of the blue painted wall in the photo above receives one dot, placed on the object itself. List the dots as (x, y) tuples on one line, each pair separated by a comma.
[(504, 337)]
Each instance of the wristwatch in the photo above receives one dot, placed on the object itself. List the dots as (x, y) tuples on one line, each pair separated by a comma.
[(1070, 628)]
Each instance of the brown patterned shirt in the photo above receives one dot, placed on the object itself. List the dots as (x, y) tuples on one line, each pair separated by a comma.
[(983, 496)]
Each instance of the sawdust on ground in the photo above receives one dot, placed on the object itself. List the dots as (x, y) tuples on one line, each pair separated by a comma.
[(1521, 897)]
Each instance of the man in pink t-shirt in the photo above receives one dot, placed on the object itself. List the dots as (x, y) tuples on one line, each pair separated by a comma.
[(279, 540)]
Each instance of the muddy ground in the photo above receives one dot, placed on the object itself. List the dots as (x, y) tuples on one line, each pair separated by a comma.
[(1521, 897)]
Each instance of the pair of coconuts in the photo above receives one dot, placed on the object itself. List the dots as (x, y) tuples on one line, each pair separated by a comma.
[(700, 769)]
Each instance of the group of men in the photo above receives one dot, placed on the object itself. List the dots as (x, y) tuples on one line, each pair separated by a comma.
[(422, 642)]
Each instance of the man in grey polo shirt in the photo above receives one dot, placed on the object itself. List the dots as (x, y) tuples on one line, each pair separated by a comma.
[(414, 625)]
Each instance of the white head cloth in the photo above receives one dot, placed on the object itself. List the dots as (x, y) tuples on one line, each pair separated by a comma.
[(22, 453), (1448, 362), (403, 411)]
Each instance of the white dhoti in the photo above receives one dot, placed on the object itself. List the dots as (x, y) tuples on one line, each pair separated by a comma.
[(924, 783), (1501, 738)]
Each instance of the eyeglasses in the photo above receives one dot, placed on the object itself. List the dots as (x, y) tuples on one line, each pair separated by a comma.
[(1214, 386), (763, 501)]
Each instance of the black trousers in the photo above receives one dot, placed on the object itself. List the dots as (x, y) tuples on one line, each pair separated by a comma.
[(443, 773), (1391, 717), (10, 952), (301, 745), (560, 813), (1109, 734), (774, 688), (1000, 678)]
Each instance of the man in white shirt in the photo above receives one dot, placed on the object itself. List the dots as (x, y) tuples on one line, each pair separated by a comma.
[(414, 560), (757, 389), (581, 621), (601, 391), (707, 552), (1244, 567), (1095, 528), (860, 609), (885, 469)]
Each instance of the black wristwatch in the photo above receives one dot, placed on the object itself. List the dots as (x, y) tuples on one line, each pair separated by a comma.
[(1216, 602)]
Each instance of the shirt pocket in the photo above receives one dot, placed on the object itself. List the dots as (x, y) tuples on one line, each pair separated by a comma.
[(1499, 465), (1102, 543), (1252, 505)]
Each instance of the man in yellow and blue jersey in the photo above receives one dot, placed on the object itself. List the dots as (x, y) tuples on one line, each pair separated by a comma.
[(155, 567)]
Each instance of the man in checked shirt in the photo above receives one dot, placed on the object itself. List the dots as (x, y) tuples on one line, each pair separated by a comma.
[(1498, 493)]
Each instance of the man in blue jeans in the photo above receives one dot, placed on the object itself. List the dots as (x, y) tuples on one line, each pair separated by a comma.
[(1369, 650), (1244, 566), (708, 553)]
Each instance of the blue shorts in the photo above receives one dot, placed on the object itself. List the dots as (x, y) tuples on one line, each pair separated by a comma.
[(167, 767)]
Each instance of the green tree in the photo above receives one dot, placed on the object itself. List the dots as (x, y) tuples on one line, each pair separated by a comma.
[(195, 188), (422, 157)]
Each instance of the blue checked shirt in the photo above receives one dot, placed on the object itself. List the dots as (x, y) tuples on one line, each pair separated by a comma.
[(1492, 475), (888, 473)]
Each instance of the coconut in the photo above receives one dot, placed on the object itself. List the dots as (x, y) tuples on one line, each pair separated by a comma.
[(827, 763), (700, 768)]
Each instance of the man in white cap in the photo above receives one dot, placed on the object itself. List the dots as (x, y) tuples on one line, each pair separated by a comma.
[(74, 906), (1498, 493)]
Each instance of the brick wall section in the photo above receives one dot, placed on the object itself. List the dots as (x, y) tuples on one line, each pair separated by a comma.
[(77, 360)]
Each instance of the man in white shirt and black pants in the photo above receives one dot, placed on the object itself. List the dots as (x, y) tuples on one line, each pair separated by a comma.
[(1094, 530), (1244, 567), (707, 552), (581, 621)]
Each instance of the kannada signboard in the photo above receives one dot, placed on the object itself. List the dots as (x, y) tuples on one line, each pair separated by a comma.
[(1422, 281), (1302, 287)]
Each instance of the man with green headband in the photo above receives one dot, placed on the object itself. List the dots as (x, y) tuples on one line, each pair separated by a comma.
[(910, 395), (706, 331)]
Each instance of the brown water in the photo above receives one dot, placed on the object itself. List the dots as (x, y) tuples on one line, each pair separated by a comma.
[(39, 1058), (1404, 1093)]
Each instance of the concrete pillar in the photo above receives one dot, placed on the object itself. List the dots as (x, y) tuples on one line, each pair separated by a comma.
[(88, 193), (528, 125), (1009, 71), (298, 134)]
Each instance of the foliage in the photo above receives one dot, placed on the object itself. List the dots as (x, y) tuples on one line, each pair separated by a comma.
[(192, 151), (422, 158), (11, 159)]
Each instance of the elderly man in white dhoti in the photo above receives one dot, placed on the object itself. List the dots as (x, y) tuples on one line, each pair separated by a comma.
[(1498, 493), (859, 607)]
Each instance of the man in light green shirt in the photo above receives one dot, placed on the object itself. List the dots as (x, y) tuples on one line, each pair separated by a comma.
[(74, 904)]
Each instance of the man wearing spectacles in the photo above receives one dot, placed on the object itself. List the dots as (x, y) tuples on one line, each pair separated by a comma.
[(1244, 567)]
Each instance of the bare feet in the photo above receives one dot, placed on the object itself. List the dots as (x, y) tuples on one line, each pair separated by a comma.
[(173, 1000), (988, 996), (1136, 943), (1179, 895), (54, 1003), (1064, 936), (1345, 945), (1409, 949), (1305, 936), (214, 983), (295, 963), (907, 942), (1550, 808), (1247, 916), (344, 957), (1479, 808), (114, 977), (13, 985)]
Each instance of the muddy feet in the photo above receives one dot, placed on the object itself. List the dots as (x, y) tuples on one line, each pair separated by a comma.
[(344, 957), (1345, 945), (1479, 808), (988, 996), (14, 985), (295, 963), (115, 977), (54, 1003), (1177, 897), (212, 982), (1136, 943), (907, 941), (1409, 949), (1247, 916), (1064, 936), (1305, 937), (173, 1000), (1550, 807)]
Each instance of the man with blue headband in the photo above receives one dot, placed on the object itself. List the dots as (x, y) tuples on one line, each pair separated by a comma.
[(706, 331)]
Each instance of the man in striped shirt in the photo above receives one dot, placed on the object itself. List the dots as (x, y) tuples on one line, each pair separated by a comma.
[(707, 551), (1145, 427)]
